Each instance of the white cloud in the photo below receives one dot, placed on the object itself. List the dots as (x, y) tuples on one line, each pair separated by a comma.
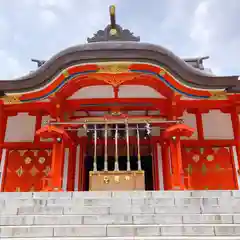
[(11, 66), (200, 32), (48, 18)]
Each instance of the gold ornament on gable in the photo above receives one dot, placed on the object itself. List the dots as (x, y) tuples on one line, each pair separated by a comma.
[(221, 95), (11, 99), (162, 72), (114, 80), (114, 68)]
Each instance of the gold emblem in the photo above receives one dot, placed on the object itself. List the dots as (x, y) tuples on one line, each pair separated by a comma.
[(210, 158), (22, 152), (33, 171), (113, 31), (11, 99), (106, 179), (127, 178), (18, 189), (41, 160), (27, 160), (162, 72), (65, 73), (196, 158), (47, 170), (35, 152), (117, 179), (48, 151), (19, 171), (114, 68), (220, 95)]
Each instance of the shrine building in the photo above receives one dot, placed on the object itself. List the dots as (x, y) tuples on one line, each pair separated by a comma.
[(119, 114)]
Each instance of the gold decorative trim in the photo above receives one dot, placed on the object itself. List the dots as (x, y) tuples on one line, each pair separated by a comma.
[(127, 178), (65, 73), (162, 72), (28, 160), (22, 152), (11, 99), (48, 151), (47, 170), (221, 95), (42, 160), (114, 80), (34, 171), (116, 179), (106, 180), (113, 68), (109, 69), (35, 152), (19, 171)]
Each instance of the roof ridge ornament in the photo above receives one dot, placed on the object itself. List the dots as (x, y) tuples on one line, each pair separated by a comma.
[(113, 31)]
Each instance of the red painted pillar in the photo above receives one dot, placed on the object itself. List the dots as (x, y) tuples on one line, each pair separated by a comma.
[(71, 168), (176, 157), (155, 166), (166, 164), (82, 170), (172, 134), (57, 166)]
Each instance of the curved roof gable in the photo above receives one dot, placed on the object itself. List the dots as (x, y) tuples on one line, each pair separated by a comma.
[(120, 51)]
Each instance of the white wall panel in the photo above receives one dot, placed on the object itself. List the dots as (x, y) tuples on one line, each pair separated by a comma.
[(20, 128), (138, 91), (94, 92), (217, 125), (190, 121)]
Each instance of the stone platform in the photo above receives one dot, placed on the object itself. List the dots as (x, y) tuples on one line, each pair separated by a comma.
[(120, 215)]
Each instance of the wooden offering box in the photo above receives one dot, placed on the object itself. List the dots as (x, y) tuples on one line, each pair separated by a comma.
[(116, 181)]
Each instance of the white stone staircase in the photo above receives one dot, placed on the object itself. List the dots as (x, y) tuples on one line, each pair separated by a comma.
[(120, 215)]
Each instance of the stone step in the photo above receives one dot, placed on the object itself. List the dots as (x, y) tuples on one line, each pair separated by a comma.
[(119, 194), (115, 209), (119, 230), (136, 238), (17, 220)]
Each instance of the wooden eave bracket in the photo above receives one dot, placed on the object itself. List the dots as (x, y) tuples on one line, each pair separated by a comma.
[(54, 132), (178, 130)]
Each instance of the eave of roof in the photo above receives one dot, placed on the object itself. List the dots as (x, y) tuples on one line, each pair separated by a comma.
[(122, 51)]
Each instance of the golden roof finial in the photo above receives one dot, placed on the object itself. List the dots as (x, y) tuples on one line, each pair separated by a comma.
[(112, 9), (113, 30)]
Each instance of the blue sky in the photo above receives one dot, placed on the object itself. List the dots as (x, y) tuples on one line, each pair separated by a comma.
[(189, 28)]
